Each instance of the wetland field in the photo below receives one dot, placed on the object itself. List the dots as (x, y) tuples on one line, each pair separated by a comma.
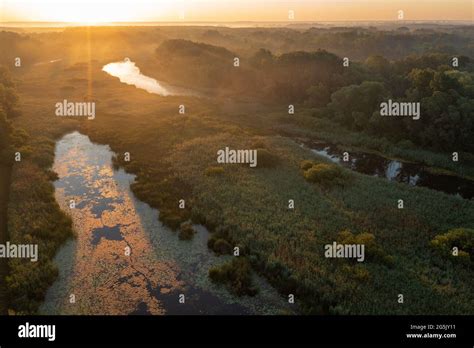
[(110, 139)]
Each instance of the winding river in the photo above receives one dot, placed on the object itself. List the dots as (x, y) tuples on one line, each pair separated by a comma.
[(127, 72), (123, 260)]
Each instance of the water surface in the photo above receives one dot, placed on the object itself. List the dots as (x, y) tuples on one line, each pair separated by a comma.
[(130, 74), (124, 261), (393, 170)]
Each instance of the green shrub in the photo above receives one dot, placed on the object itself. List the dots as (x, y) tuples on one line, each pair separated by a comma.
[(324, 173), (306, 164), (461, 238), (372, 250), (361, 273), (186, 231), (219, 246), (27, 284), (236, 275), (52, 175), (171, 218)]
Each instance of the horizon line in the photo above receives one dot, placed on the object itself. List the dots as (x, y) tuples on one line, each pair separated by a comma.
[(267, 21), (287, 23)]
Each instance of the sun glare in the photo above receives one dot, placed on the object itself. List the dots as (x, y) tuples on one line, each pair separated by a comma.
[(89, 13), (86, 11), (107, 11)]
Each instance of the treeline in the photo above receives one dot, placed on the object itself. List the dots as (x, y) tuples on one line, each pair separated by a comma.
[(360, 43), (16, 45), (357, 43), (445, 94), (350, 94), (282, 79), (199, 65)]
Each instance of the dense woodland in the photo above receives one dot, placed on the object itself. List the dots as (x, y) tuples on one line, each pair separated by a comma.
[(247, 106), (349, 96)]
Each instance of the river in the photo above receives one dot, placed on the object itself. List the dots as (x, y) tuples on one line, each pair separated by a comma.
[(410, 173), (130, 74), (123, 260)]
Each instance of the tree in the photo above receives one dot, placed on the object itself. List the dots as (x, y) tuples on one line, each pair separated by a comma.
[(420, 83), (318, 95), (378, 64), (354, 105)]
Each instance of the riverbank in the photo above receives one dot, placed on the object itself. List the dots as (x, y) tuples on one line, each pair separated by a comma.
[(170, 153), (310, 125), (307, 124), (5, 173), (159, 268), (375, 164), (34, 216)]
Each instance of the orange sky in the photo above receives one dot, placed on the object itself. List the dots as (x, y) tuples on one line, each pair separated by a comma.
[(100, 11)]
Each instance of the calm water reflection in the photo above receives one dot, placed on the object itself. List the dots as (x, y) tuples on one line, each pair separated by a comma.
[(409, 173), (124, 261), (129, 73)]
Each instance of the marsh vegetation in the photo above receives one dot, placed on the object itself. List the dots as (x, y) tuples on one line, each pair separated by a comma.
[(173, 155)]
